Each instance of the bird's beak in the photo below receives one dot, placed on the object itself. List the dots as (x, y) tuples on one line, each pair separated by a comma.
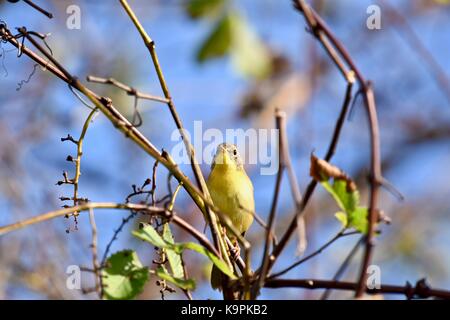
[(222, 156)]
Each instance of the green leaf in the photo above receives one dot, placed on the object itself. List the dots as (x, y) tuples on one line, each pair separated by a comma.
[(149, 234), (176, 265), (334, 194), (352, 215), (249, 55), (220, 264), (358, 219), (202, 8), (187, 284), (349, 199), (125, 277), (219, 42)]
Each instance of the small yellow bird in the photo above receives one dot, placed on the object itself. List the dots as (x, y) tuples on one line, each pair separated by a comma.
[(232, 192)]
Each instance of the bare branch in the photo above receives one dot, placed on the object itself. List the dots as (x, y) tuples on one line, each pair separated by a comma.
[(343, 267), (95, 264), (129, 90), (420, 290), (265, 264)]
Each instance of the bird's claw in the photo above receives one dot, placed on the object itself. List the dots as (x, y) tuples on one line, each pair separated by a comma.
[(236, 252)]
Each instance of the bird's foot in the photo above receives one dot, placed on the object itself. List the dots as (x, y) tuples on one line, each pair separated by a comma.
[(235, 252)]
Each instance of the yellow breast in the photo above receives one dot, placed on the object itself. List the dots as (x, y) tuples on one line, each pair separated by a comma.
[(232, 191)]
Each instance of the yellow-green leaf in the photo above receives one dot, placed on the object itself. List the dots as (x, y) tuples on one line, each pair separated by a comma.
[(342, 217), (220, 264), (219, 42), (176, 265), (187, 284), (249, 55), (358, 219)]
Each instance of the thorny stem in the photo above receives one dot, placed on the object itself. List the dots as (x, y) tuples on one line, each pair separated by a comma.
[(420, 290)]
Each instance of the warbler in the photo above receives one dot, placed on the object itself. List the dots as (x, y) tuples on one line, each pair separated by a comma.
[(232, 193)]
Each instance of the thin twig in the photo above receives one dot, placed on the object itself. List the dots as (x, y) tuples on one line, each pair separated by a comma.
[(421, 290), (129, 90), (78, 159), (343, 267), (95, 264), (419, 48), (38, 8), (153, 190), (109, 245), (339, 235), (294, 186), (280, 120), (260, 221), (186, 276)]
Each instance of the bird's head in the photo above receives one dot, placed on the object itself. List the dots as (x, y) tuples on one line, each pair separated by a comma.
[(227, 156)]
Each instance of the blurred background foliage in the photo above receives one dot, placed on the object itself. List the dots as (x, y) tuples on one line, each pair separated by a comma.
[(228, 64)]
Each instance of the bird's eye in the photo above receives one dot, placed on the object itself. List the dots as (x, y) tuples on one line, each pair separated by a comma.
[(235, 152)]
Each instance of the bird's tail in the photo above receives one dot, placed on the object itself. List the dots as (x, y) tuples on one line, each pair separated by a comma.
[(216, 278)]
